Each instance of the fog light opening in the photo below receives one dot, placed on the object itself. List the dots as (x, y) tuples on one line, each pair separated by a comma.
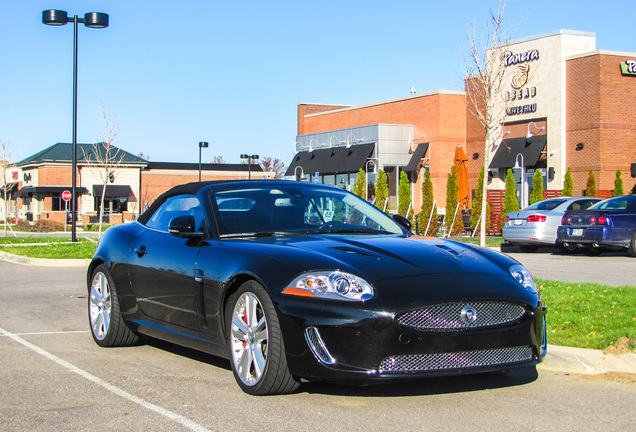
[(317, 346)]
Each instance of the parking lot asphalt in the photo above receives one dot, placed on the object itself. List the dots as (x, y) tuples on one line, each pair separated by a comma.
[(56, 378)]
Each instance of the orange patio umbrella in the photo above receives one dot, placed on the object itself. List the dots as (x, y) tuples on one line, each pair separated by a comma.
[(462, 176)]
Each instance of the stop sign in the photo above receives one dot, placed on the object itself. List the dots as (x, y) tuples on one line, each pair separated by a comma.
[(66, 195)]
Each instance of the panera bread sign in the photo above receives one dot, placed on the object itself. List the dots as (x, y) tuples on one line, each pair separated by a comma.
[(520, 77), (628, 67)]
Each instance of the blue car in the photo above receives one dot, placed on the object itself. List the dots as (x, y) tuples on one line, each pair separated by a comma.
[(607, 225)]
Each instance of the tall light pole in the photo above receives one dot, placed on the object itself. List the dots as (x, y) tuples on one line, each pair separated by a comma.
[(91, 20), (249, 158), (366, 180), (202, 144), (523, 180)]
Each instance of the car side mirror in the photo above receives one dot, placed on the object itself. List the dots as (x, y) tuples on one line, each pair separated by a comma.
[(404, 222), (184, 227)]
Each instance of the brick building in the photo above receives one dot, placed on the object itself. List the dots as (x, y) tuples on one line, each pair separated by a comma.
[(36, 184), (568, 106)]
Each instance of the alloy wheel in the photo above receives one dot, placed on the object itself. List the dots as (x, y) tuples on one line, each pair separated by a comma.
[(100, 306), (249, 338)]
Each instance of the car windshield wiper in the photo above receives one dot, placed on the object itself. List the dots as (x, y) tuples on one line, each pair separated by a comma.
[(258, 234)]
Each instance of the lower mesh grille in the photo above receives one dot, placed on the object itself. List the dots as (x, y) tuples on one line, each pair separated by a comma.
[(457, 360)]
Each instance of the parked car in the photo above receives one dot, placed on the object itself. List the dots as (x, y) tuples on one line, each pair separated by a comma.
[(607, 225), (294, 281), (536, 225)]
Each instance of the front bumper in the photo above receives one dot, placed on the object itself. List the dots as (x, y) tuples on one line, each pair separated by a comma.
[(331, 340)]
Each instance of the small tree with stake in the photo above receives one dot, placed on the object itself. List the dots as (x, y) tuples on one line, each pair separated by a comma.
[(510, 196), (537, 187)]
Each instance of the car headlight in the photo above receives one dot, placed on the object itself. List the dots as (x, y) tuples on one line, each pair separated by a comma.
[(522, 276), (334, 285)]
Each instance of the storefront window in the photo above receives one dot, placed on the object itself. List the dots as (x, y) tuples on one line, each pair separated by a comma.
[(56, 202)]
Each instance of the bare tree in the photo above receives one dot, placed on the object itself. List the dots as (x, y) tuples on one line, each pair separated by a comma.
[(104, 158), (274, 165), (5, 162), (484, 73), (218, 159)]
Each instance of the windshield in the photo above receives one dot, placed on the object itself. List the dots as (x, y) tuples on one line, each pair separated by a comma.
[(281, 210), (546, 205), (618, 203)]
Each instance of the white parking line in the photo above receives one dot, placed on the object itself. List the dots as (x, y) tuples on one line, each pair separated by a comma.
[(185, 422), (48, 333)]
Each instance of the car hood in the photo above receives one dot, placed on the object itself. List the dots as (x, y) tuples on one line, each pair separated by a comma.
[(378, 257)]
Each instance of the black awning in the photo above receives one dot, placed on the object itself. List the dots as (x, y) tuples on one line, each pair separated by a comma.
[(332, 160), (113, 191), (418, 154), (508, 150), (25, 191)]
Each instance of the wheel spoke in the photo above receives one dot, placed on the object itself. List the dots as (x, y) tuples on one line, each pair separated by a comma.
[(251, 304), (96, 296), (244, 365), (239, 329), (259, 361)]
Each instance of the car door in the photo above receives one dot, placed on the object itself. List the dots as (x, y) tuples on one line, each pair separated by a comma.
[(162, 266)]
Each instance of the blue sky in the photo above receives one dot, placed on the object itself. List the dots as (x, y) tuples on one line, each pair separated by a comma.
[(232, 73)]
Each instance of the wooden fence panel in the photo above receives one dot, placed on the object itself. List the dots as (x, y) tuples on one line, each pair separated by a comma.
[(495, 200)]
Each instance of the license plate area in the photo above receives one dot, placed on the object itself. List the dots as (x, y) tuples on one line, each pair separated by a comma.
[(577, 232), (518, 221)]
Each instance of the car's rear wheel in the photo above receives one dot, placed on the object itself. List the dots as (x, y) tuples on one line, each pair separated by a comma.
[(631, 249), (528, 248), (257, 352), (107, 324)]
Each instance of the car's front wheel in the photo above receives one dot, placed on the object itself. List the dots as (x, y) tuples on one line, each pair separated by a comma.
[(107, 324), (257, 352)]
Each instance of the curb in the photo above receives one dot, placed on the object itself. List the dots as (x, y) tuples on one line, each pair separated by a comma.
[(586, 361), (43, 262)]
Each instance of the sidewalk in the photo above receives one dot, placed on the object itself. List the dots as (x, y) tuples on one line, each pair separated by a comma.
[(587, 361), (19, 259)]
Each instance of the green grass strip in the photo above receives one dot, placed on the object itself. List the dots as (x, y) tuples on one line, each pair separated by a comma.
[(588, 315)]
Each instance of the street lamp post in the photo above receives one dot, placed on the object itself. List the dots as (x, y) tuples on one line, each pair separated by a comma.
[(249, 158), (523, 180), (91, 20), (366, 180), (202, 144)]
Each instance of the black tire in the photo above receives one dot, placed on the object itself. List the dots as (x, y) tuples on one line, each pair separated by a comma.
[(104, 316), (528, 248), (592, 251), (631, 249), (257, 352)]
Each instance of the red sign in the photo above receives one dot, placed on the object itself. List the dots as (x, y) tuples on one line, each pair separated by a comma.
[(66, 195)]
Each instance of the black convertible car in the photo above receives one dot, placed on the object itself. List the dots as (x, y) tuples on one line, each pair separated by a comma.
[(296, 281)]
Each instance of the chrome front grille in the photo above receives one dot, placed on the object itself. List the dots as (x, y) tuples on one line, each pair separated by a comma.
[(460, 315), (458, 360)]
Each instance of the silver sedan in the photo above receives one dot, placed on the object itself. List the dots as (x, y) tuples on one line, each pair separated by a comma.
[(536, 225)]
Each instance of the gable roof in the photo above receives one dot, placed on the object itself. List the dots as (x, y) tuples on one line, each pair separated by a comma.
[(62, 153)]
